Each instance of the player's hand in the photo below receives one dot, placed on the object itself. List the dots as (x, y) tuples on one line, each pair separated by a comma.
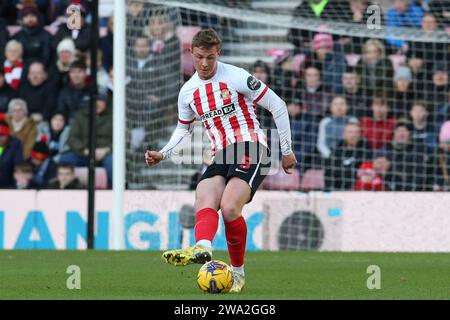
[(153, 158), (289, 162)]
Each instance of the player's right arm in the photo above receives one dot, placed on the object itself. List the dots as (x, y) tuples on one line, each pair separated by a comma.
[(185, 126)]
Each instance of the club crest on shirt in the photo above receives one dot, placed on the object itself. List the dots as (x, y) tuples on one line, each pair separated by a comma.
[(225, 94)]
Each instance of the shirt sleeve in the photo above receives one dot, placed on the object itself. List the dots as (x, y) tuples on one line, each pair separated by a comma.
[(260, 94), (185, 114), (181, 131), (248, 85), (185, 126), (277, 107)]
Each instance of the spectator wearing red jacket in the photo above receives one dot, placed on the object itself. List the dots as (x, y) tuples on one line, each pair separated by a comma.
[(378, 129)]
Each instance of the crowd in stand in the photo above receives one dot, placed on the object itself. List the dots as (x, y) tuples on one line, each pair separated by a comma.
[(45, 94), (45, 87), (376, 123)]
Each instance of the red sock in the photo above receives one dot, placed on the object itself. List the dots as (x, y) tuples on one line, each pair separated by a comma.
[(207, 222), (236, 234)]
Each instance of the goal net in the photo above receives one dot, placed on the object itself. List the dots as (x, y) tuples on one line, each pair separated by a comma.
[(365, 82)]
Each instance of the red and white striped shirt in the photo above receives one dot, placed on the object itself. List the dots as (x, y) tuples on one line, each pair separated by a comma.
[(225, 104)]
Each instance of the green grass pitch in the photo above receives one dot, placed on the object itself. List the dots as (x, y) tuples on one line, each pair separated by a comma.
[(269, 275)]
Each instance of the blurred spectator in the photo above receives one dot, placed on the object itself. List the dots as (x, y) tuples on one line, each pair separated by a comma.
[(76, 95), (62, 5), (140, 70), (13, 65), (140, 58), (107, 43), (6, 93), (378, 128), (166, 56), (102, 74), (428, 51), (44, 168), (261, 71), (423, 131), (57, 133), (160, 73), (137, 19), (409, 160), (43, 7), (314, 98), (357, 100), (331, 128), (23, 176), (36, 41), (437, 90), (79, 138), (66, 55), (304, 130), (403, 92), (38, 92), (441, 10), (328, 60), (21, 126), (10, 155), (404, 13), (360, 15), (418, 72), (4, 37), (351, 152), (81, 37), (375, 68), (374, 175), (285, 80), (442, 163), (65, 178)]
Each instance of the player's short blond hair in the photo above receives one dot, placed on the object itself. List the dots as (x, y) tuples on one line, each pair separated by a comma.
[(206, 39)]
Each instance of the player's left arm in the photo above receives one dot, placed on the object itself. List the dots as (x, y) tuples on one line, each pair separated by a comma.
[(275, 105), (262, 95)]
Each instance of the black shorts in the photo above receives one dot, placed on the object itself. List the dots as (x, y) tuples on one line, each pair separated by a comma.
[(249, 161)]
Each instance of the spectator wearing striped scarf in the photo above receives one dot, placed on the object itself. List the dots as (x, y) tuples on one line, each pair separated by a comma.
[(13, 65)]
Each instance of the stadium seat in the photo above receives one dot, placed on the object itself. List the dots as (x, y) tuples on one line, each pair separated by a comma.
[(282, 181), (101, 178), (185, 35), (313, 179)]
